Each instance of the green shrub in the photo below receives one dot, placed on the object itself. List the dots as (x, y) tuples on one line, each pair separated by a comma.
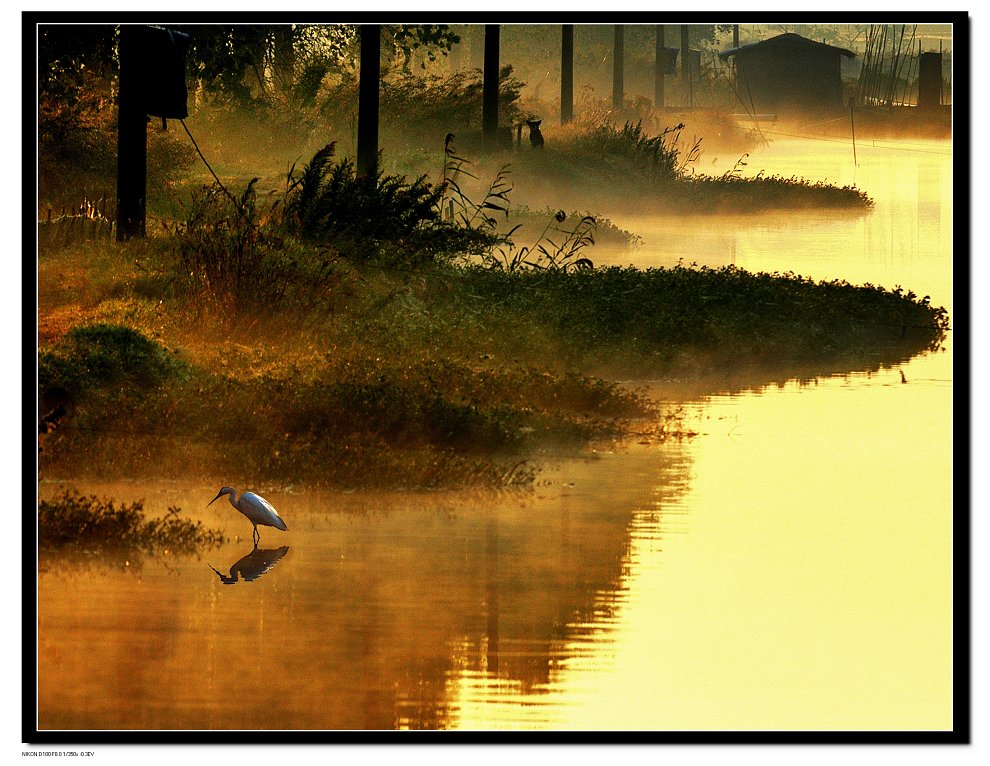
[(734, 191), (383, 218), (93, 523), (629, 150), (101, 355), (653, 315), (229, 254)]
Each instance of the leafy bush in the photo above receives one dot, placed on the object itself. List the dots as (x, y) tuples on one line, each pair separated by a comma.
[(657, 159), (232, 256), (654, 315), (734, 191), (90, 522), (383, 217)]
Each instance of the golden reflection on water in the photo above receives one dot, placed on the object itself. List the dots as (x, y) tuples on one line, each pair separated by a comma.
[(812, 587), (790, 568)]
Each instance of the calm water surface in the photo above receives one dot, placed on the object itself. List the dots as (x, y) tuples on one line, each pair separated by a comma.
[(789, 568)]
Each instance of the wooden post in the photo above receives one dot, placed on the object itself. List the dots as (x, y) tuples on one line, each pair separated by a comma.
[(566, 73), (852, 122), (658, 98), (941, 72), (618, 55), (489, 91), (735, 44), (686, 62), (368, 87), (476, 38), (132, 141), (930, 80), (685, 54)]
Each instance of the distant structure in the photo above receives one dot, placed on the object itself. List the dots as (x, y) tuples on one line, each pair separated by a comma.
[(789, 73), (929, 80)]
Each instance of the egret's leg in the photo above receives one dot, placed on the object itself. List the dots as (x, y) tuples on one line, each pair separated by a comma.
[(256, 536)]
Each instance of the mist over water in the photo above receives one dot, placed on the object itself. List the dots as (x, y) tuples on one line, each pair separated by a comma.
[(788, 568)]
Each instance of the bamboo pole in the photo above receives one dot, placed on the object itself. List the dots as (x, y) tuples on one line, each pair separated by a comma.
[(618, 59), (909, 63), (863, 66), (878, 71), (867, 71), (566, 73), (895, 68), (852, 123), (658, 74)]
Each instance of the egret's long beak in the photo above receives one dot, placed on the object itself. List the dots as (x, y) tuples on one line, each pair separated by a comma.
[(219, 495)]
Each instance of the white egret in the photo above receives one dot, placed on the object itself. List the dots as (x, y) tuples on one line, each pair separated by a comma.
[(256, 508)]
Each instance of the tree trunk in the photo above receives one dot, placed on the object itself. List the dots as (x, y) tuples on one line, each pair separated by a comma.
[(658, 97), (489, 108), (618, 55), (368, 87), (685, 54), (566, 73), (132, 139)]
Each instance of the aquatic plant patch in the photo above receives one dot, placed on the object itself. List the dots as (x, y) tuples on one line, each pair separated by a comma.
[(88, 522), (649, 318)]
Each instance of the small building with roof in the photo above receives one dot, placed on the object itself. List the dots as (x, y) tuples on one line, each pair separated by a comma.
[(789, 73)]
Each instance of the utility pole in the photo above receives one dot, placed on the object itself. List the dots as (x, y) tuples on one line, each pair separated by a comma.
[(658, 70), (618, 54), (735, 44), (152, 82), (685, 54), (489, 89), (132, 138), (368, 86), (566, 73), (686, 62)]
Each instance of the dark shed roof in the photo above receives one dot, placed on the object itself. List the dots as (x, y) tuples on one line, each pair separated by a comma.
[(786, 40)]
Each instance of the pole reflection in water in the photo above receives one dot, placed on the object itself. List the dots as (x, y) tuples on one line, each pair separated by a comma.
[(491, 591), (252, 566)]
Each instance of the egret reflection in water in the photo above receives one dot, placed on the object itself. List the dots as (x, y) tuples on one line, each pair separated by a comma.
[(252, 566)]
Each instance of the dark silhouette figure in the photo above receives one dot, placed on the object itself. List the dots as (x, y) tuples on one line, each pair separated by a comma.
[(535, 136), (56, 404)]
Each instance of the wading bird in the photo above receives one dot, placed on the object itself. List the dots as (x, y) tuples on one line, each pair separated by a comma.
[(256, 508)]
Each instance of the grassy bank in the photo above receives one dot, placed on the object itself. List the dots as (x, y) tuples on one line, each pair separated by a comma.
[(346, 415), (440, 375), (395, 331), (606, 166)]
